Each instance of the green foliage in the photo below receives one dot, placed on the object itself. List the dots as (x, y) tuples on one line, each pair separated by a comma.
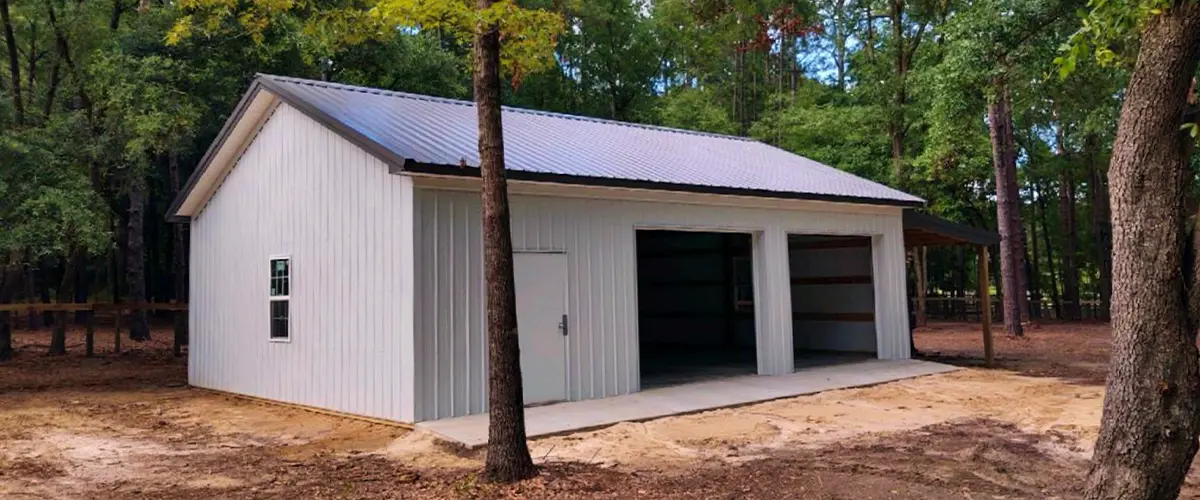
[(694, 109), (528, 34), (1108, 32), (159, 83), (819, 125)]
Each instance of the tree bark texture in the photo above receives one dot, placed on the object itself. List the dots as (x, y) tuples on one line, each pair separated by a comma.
[(1152, 404), (1008, 209), (135, 263), (14, 64), (508, 454)]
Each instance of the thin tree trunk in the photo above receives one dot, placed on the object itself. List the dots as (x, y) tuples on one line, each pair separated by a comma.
[(14, 64), (508, 454), (32, 56), (6, 349), (135, 260), (918, 256), (1008, 210), (1152, 402), (10, 275), (896, 125), (1055, 298), (1035, 274), (1066, 223), (1101, 223), (179, 247), (64, 295)]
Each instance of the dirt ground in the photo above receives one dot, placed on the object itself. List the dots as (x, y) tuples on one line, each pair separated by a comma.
[(127, 427)]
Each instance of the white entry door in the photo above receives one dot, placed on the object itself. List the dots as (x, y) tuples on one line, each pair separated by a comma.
[(541, 287)]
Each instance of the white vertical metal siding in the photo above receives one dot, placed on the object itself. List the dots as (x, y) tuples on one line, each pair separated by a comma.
[(301, 190), (598, 237)]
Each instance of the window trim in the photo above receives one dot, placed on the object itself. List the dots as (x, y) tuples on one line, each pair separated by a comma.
[(271, 299)]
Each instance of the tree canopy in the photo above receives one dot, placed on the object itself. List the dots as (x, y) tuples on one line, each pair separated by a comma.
[(107, 105)]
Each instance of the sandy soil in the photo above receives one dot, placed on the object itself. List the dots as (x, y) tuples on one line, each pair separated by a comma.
[(124, 427)]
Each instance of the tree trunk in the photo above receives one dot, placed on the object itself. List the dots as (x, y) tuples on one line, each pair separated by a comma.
[(135, 263), (1066, 224), (1008, 210), (14, 64), (64, 295), (508, 454), (6, 349), (1101, 223), (1152, 404), (10, 275), (919, 257), (896, 126), (179, 246), (1035, 274)]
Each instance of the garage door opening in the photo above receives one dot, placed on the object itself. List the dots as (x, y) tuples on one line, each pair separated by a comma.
[(695, 306), (833, 299)]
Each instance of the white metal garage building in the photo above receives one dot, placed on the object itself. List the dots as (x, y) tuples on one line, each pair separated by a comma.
[(336, 255)]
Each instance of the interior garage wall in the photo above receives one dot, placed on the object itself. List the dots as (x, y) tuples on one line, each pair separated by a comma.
[(833, 296), (597, 236), (685, 289)]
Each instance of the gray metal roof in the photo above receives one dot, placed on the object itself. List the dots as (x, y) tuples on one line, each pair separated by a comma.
[(435, 135)]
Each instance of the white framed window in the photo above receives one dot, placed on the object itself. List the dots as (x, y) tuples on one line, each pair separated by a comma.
[(280, 298)]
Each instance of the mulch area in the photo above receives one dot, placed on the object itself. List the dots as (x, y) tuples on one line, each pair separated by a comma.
[(1073, 351), (972, 459), (147, 363)]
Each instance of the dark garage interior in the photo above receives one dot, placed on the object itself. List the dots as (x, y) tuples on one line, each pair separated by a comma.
[(696, 303), (695, 306)]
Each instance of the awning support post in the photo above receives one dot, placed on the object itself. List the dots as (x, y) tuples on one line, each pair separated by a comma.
[(985, 306)]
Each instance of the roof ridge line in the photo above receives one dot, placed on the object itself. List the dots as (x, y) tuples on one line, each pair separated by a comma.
[(460, 102)]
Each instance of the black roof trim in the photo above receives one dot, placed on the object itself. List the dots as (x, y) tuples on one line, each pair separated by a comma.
[(467, 171), (952, 230)]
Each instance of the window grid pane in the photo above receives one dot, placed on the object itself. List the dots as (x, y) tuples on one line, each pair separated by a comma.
[(280, 279), (279, 319)]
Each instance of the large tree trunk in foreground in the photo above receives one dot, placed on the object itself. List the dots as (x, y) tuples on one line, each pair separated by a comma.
[(135, 263), (1008, 209), (1152, 403), (508, 454)]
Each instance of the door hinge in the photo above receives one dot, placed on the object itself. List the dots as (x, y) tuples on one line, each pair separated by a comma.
[(563, 326)]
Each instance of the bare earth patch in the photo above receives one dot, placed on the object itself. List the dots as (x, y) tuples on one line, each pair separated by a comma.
[(77, 428)]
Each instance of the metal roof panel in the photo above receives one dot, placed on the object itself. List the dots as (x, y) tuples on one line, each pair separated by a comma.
[(437, 131)]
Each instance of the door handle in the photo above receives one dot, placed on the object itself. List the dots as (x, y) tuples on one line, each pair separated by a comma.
[(563, 326)]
